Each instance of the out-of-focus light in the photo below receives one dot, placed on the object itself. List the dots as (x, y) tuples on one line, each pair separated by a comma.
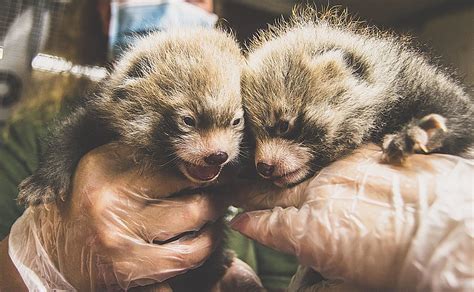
[(1, 52), (54, 64), (4, 89)]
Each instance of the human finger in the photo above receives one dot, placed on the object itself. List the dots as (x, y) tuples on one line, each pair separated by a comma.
[(273, 228), (161, 219), (148, 263)]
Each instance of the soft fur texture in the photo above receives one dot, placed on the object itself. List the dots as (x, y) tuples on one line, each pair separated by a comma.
[(163, 79), (319, 86), (174, 98)]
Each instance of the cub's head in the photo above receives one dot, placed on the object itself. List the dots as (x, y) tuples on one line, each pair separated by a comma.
[(176, 97), (305, 92)]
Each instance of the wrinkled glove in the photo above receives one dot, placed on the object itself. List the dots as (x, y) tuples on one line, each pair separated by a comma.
[(375, 225), (119, 229)]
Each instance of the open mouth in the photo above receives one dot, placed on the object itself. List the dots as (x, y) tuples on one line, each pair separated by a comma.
[(201, 173), (290, 178), (185, 235)]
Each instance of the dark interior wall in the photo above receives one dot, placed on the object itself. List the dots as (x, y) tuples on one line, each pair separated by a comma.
[(442, 28), (246, 16), (243, 20)]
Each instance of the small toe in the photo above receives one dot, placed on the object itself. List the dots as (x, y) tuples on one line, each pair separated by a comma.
[(433, 122)]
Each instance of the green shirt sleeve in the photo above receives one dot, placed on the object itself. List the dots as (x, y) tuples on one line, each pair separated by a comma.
[(19, 152)]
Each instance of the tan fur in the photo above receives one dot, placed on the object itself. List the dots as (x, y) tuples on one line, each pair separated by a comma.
[(160, 84), (288, 158), (204, 144), (199, 64), (191, 73), (173, 98), (343, 83)]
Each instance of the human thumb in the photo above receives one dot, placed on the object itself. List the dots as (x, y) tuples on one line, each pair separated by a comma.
[(279, 228)]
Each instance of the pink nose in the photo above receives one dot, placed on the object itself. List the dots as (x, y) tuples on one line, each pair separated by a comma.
[(264, 169), (216, 158)]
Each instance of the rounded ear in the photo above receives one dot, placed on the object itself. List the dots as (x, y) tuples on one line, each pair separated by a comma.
[(337, 62), (357, 66), (329, 65)]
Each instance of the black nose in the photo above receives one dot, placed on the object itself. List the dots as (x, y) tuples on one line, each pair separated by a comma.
[(216, 158), (265, 169)]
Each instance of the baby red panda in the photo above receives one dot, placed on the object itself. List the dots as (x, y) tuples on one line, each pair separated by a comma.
[(175, 99), (317, 87)]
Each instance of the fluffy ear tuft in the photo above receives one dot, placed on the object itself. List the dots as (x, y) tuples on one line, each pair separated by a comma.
[(328, 66)]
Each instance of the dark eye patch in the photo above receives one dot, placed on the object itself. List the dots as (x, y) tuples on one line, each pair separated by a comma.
[(296, 129), (312, 132), (283, 126), (139, 69)]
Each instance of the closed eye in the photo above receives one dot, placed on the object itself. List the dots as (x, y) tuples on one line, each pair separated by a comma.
[(284, 127)]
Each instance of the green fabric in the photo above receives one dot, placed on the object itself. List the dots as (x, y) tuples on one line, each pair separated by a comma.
[(19, 152), (275, 268)]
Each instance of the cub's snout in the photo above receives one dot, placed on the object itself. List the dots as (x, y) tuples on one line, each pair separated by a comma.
[(203, 155), (282, 161)]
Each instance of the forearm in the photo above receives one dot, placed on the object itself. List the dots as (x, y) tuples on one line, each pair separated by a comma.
[(10, 279)]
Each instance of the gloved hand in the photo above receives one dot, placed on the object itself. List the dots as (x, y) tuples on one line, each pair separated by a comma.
[(114, 232), (375, 225)]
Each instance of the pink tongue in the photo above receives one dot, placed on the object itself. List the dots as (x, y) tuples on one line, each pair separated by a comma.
[(203, 172)]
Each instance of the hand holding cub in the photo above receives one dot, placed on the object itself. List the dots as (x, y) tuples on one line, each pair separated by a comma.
[(372, 224), (119, 228)]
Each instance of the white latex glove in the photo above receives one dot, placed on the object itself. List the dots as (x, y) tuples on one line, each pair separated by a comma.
[(112, 231), (375, 225)]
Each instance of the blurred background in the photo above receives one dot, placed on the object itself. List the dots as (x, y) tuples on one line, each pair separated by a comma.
[(53, 51), (77, 38)]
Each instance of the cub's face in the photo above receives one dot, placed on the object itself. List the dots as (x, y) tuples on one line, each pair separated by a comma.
[(177, 98), (301, 103)]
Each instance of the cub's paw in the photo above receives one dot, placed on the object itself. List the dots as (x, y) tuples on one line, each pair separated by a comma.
[(34, 191), (422, 136), (239, 277)]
